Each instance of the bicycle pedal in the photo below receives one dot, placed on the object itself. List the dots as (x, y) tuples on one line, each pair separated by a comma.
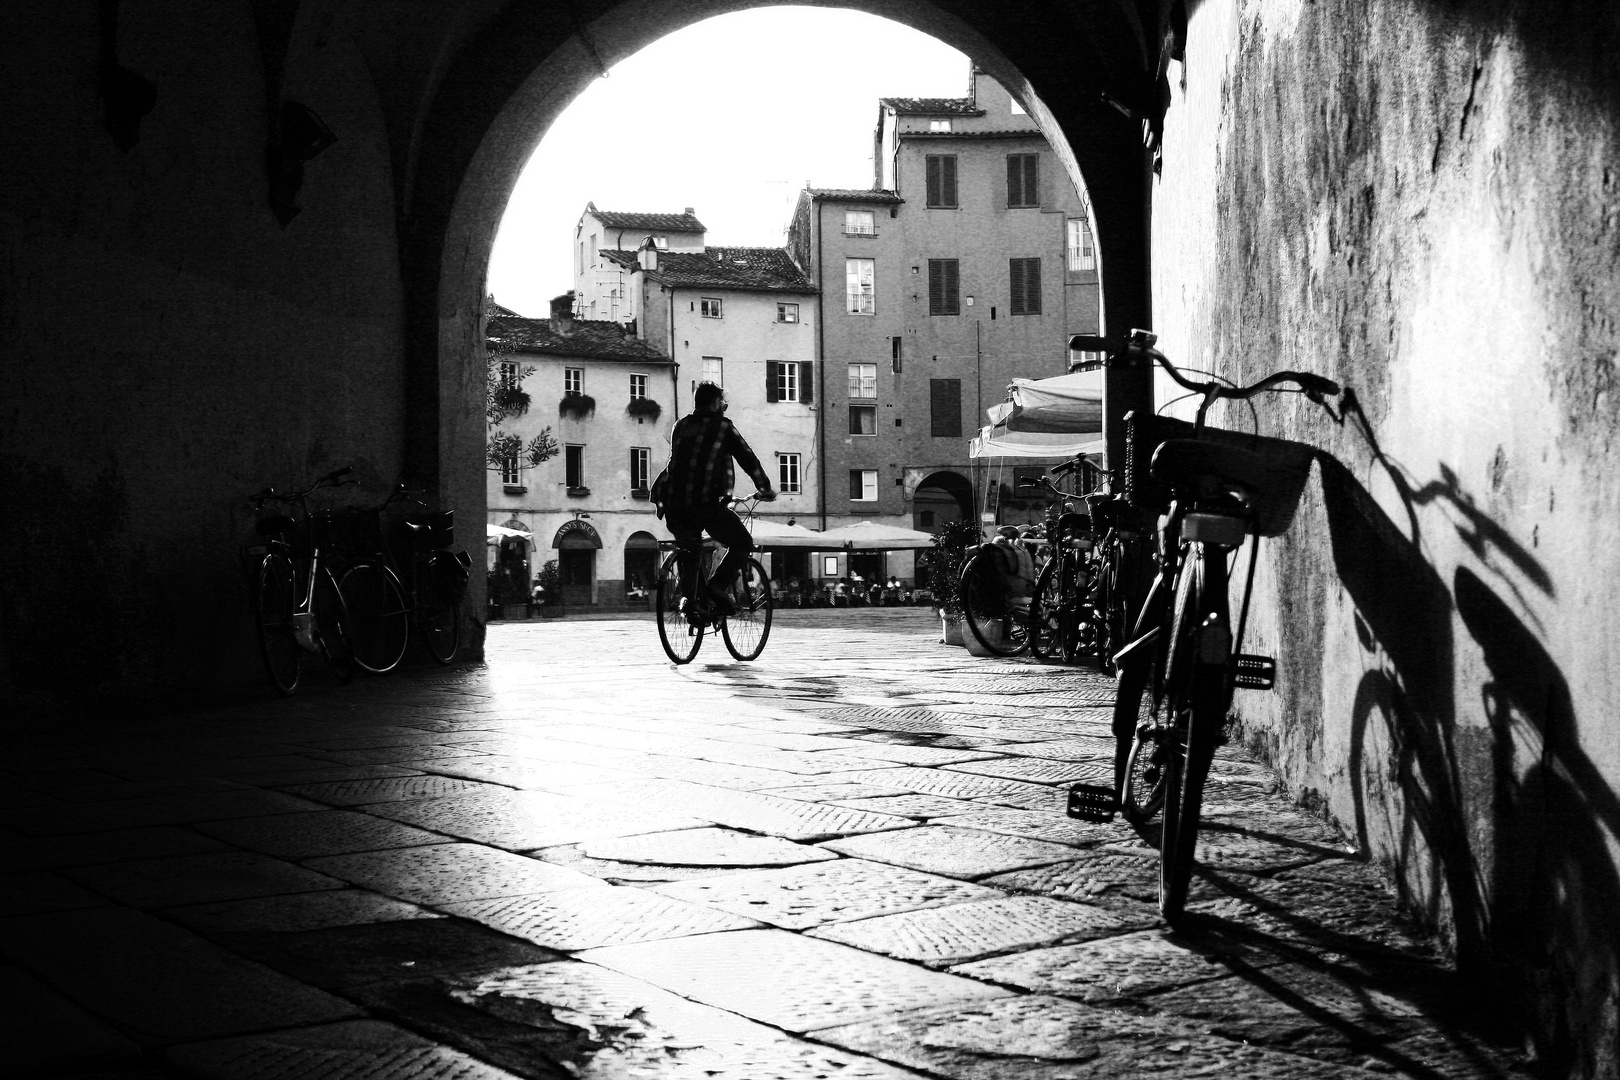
[(1092, 802), (1252, 672)]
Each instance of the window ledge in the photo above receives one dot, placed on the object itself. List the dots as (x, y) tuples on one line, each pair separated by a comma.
[(579, 492), (514, 489), (640, 493)]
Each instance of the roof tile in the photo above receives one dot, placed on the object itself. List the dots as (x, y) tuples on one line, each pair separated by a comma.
[(932, 106), (597, 339), (668, 222), (751, 268)]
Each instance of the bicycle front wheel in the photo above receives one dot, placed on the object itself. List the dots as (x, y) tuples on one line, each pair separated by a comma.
[(334, 632), (274, 601), (1043, 630), (438, 608), (1198, 705), (746, 631), (997, 625), (378, 623), (677, 632)]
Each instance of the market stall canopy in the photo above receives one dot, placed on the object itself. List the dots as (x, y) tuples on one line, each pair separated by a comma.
[(870, 536), (1067, 404), (999, 442), (776, 534), (494, 534)]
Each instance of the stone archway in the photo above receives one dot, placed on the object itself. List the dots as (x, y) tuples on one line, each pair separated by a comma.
[(940, 497)]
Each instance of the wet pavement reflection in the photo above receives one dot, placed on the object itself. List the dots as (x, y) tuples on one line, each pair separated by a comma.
[(848, 858)]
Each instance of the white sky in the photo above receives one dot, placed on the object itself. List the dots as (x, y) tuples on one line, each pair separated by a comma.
[(732, 117)]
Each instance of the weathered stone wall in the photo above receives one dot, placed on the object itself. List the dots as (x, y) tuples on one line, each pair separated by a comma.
[(1422, 200)]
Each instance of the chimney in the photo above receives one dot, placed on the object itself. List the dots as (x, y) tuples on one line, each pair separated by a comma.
[(647, 255), (562, 314), (690, 211)]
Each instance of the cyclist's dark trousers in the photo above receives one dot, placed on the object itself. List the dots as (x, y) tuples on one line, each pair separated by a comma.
[(689, 523)]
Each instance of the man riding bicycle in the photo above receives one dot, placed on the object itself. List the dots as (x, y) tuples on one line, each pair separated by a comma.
[(692, 490)]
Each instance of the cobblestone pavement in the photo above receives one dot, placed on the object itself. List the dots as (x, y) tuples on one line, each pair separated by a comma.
[(848, 858)]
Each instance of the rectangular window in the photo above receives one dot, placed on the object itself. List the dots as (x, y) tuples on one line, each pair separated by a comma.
[(1081, 254), (640, 468), (638, 387), (661, 243), (1023, 179), (859, 223), (939, 125), (787, 474), (710, 307), (574, 466), (863, 380), (945, 408), (860, 279), (863, 419), (595, 252), (1025, 275), (788, 381), (510, 473), (944, 287), (940, 170), (509, 374), (863, 485), (713, 371), (787, 312), (573, 380)]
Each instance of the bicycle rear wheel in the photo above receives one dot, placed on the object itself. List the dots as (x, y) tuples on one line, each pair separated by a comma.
[(991, 618), (1146, 771), (1198, 705), (438, 611), (378, 621), (1044, 629), (746, 631), (334, 635), (680, 635), (274, 600)]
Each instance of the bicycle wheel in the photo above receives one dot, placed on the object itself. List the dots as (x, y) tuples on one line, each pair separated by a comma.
[(378, 620), (680, 635), (334, 636), (997, 625), (274, 600), (1044, 628), (746, 631), (1146, 773), (1071, 580), (438, 613), (1198, 705)]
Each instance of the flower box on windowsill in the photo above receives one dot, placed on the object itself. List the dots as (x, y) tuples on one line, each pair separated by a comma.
[(640, 493), (578, 492), (514, 489), (644, 407), (579, 406)]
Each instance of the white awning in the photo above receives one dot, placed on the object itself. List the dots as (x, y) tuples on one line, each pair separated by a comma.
[(870, 536), (999, 442), (777, 534), (1068, 404)]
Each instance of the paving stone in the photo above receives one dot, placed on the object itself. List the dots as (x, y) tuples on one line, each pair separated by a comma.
[(911, 805), (352, 1050), (960, 932), (791, 819), (323, 832), (1040, 770), (587, 918), (1070, 748), (236, 768), (45, 1034), (1232, 850), (330, 774), (789, 740), (801, 726), (942, 782), (1048, 1038), (715, 773), (40, 890), (134, 813), (842, 794), (158, 981), (231, 875), (1125, 967), (304, 911), (1037, 824), (965, 853), (142, 789), (1122, 880), (627, 873), (387, 789), (393, 755), (705, 847), (917, 755), (623, 1027), (805, 896), (519, 820), (1308, 907), (448, 873), (744, 973)]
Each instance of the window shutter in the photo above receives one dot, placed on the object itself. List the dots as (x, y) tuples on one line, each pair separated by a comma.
[(856, 490), (945, 408), (936, 286), (770, 380), (948, 181), (953, 287), (1015, 283), (806, 395), (1015, 179), (1032, 286), (932, 163), (1032, 177)]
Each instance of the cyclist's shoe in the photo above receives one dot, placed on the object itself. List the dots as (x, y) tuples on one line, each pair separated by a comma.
[(721, 601)]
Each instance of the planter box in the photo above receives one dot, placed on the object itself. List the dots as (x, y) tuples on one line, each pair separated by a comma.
[(514, 611), (952, 631)]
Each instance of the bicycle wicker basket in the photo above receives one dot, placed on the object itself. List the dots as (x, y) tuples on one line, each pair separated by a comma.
[(435, 530), (1276, 496)]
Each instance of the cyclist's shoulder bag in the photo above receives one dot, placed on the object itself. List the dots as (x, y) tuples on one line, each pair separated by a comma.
[(660, 491)]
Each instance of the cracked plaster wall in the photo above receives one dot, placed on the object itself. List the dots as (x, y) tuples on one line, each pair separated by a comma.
[(1422, 200)]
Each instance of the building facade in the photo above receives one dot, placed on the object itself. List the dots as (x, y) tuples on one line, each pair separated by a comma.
[(608, 399), (601, 285)]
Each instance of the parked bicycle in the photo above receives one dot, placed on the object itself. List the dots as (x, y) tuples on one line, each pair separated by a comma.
[(1178, 674), (685, 611), (388, 597), (997, 583), (1060, 616), (298, 608)]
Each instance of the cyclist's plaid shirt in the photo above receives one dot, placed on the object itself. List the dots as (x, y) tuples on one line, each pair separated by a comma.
[(700, 451)]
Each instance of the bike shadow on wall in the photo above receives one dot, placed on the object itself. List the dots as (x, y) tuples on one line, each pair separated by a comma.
[(1506, 826)]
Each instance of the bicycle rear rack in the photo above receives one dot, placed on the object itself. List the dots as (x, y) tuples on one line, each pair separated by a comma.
[(1253, 672)]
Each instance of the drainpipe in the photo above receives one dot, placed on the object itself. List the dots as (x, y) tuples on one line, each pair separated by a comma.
[(821, 373)]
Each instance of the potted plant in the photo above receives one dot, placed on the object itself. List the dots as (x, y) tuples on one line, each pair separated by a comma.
[(952, 544), (577, 405), (644, 407)]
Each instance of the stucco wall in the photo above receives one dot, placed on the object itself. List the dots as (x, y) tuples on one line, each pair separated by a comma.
[(1422, 200)]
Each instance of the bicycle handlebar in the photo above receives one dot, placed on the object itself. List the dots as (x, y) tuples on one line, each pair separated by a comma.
[(270, 494), (1315, 386)]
